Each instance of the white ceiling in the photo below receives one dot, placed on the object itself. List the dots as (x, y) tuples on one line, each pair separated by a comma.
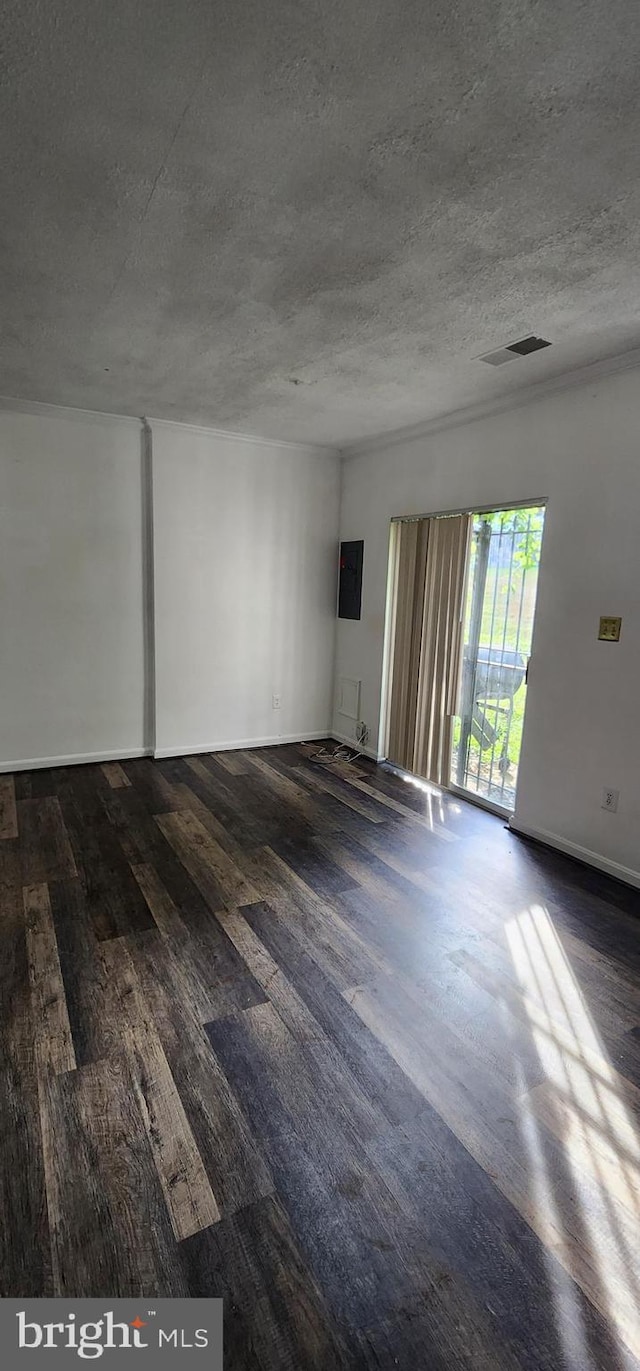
[(306, 220)]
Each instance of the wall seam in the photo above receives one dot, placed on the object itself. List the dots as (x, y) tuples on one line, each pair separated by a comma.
[(148, 589)]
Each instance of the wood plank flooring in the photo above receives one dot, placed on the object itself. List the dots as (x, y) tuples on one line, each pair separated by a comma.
[(336, 1047)]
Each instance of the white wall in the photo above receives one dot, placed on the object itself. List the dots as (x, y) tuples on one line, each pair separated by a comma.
[(71, 588), (581, 449), (245, 539)]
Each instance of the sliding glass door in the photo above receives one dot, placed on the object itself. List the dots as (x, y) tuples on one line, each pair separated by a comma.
[(499, 610)]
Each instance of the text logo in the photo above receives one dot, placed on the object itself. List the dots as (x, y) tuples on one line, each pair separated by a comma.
[(175, 1333)]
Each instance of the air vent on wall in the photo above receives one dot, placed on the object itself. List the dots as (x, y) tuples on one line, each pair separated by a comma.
[(513, 350)]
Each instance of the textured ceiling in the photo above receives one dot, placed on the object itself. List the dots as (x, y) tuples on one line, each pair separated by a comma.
[(306, 219)]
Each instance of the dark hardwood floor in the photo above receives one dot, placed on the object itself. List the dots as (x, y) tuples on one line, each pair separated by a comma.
[(341, 1050)]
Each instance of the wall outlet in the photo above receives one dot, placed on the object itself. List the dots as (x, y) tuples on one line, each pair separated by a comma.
[(610, 799), (275, 701)]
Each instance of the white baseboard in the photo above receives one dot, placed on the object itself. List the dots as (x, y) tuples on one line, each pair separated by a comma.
[(351, 742), (74, 759), (120, 755), (236, 744), (582, 854)]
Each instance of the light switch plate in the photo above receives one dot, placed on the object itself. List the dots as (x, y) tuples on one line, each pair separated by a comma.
[(610, 630)]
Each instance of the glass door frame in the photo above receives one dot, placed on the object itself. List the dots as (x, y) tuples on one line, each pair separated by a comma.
[(540, 502), (494, 806)]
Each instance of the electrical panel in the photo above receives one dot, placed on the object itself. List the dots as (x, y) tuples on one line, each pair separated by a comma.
[(350, 592)]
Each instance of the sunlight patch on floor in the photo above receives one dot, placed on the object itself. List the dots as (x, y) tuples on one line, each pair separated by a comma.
[(585, 1103), (436, 811)]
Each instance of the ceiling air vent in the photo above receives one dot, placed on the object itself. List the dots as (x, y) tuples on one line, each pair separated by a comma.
[(513, 350)]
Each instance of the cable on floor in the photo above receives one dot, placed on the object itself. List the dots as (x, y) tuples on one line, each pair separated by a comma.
[(342, 752)]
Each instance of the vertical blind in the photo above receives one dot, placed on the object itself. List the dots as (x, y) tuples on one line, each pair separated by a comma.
[(428, 576)]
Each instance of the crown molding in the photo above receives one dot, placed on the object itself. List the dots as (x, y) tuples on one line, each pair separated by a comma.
[(500, 404), (315, 449), (11, 404), (484, 409), (43, 409)]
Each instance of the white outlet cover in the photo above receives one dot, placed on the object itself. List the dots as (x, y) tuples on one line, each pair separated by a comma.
[(610, 799)]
